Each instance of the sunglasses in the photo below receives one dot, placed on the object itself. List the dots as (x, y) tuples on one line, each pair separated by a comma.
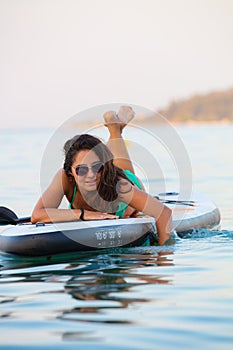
[(83, 169)]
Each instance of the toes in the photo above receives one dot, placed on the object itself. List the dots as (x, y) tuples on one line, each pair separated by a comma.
[(110, 117)]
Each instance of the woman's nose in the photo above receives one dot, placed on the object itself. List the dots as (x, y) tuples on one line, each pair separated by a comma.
[(90, 171)]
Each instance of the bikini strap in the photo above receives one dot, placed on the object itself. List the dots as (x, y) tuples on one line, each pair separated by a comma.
[(73, 197)]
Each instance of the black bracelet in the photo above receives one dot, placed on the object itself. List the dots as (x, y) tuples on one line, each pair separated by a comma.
[(82, 214)]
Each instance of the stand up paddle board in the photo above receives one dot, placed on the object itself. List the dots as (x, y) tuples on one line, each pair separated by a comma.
[(42, 239)]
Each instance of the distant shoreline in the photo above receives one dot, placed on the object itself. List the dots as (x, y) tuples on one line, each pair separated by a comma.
[(190, 122), (212, 107), (139, 123)]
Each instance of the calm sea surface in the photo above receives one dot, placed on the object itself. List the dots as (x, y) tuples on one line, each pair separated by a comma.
[(179, 296)]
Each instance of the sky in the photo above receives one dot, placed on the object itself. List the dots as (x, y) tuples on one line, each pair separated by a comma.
[(60, 57)]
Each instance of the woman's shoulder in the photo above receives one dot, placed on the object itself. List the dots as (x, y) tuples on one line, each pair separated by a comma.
[(133, 178), (124, 186), (60, 175), (61, 179)]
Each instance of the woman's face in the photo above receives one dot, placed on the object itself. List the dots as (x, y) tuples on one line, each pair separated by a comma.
[(86, 169)]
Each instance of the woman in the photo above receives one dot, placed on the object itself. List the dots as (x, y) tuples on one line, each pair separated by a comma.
[(99, 182)]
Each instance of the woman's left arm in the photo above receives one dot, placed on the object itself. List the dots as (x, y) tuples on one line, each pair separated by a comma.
[(149, 205)]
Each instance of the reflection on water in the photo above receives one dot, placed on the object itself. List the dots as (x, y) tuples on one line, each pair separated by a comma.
[(98, 286), (113, 284), (101, 282)]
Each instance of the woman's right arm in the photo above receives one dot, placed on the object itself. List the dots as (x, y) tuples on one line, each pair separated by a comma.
[(46, 209)]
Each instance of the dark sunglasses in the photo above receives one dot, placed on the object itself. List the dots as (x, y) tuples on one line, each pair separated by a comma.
[(83, 169)]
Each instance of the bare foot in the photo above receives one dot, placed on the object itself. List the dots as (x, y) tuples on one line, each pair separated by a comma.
[(113, 123), (110, 117), (126, 114)]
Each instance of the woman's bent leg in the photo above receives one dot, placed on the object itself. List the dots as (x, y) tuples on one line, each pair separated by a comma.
[(116, 142)]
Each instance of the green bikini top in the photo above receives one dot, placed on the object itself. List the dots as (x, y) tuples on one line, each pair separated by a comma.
[(122, 206)]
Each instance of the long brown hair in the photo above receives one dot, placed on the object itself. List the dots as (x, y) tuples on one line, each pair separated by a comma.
[(106, 197)]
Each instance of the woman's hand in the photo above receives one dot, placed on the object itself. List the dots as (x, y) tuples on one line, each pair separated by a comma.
[(97, 215)]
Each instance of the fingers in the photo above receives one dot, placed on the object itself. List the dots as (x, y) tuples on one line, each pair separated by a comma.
[(108, 216), (103, 216), (94, 215)]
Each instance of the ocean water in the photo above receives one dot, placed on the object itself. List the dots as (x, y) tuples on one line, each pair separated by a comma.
[(178, 296)]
